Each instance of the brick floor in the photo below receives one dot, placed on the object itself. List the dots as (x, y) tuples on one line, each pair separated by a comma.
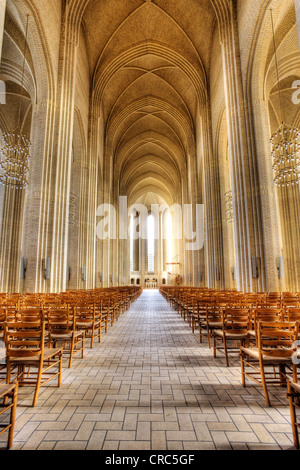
[(150, 385)]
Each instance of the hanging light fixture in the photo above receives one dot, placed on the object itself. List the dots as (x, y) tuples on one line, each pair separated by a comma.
[(228, 207), (285, 143), (15, 152)]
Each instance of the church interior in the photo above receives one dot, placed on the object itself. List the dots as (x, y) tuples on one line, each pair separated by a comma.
[(149, 225)]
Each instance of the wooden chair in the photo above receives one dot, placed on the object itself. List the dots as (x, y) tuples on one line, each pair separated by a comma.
[(25, 348), (235, 329), (198, 315), (8, 397), (294, 404), (275, 349), (104, 305), (126, 300), (190, 307), (63, 330), (107, 308), (213, 320), (2, 322), (3, 316), (88, 319)]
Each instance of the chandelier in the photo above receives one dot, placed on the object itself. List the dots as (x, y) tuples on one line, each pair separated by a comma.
[(72, 209), (285, 143), (285, 154), (15, 152), (228, 207), (15, 155)]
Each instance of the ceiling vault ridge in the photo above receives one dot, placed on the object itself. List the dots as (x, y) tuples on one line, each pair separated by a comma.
[(161, 105), (102, 78)]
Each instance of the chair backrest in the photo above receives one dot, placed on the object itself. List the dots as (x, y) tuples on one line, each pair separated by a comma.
[(293, 314), (30, 315), (61, 321), (84, 311), (266, 314), (25, 339), (214, 311), (277, 339), (237, 320)]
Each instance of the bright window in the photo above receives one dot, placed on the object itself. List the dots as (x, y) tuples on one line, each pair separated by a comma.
[(169, 237), (131, 244), (151, 242)]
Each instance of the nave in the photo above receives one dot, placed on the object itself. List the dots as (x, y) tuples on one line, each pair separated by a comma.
[(150, 385)]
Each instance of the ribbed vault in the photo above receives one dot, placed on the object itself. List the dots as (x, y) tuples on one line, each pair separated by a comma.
[(149, 63)]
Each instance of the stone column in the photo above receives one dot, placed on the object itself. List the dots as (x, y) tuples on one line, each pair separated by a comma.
[(63, 152), (38, 198), (2, 19), (10, 236), (247, 233), (211, 210), (297, 8)]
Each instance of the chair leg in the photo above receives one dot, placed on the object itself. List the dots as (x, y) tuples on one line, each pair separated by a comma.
[(214, 345), (282, 374), (295, 375), (38, 382), (71, 352), (264, 383), (209, 337), (226, 351), (92, 336), (243, 369), (12, 417), (293, 417), (82, 346), (60, 368)]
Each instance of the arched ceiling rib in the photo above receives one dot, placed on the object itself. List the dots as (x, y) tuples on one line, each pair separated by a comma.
[(149, 61)]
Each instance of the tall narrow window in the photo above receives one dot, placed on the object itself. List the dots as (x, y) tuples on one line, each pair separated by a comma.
[(131, 244), (169, 229), (151, 242)]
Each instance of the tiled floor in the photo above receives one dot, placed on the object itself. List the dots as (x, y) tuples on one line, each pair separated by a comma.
[(150, 385)]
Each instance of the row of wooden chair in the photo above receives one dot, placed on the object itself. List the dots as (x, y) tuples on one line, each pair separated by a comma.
[(263, 330), (38, 331)]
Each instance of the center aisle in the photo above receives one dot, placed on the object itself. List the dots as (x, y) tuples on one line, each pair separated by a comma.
[(150, 385)]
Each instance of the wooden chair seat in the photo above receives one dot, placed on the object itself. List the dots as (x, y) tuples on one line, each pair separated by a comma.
[(267, 359), (66, 336), (31, 361), (231, 336), (215, 324), (84, 324)]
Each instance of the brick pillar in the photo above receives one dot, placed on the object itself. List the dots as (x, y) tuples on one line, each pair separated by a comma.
[(38, 198), (297, 7), (63, 153), (248, 234), (210, 198), (2, 18)]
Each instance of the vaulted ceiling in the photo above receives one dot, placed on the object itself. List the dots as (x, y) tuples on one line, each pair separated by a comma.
[(149, 61)]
